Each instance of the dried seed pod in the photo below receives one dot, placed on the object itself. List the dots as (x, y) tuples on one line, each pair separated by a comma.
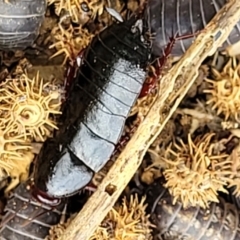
[(224, 93), (26, 218), (234, 179), (195, 171), (27, 106), (128, 221), (173, 222)]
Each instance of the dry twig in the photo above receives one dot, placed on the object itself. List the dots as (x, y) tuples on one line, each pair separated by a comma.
[(176, 84)]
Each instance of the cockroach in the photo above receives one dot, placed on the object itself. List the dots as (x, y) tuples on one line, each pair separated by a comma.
[(184, 17), (108, 82), (20, 22), (219, 222), (26, 218)]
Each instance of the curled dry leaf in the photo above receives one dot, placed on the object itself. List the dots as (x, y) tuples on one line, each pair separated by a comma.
[(195, 172), (126, 222), (224, 93), (27, 106)]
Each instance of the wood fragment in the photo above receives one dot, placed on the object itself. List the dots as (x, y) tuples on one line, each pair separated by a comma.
[(174, 85)]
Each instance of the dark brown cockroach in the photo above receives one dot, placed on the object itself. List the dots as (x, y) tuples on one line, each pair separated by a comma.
[(26, 218), (184, 17), (20, 22), (112, 71), (219, 222)]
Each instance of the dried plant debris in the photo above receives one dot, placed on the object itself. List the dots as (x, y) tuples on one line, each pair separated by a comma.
[(99, 176), (196, 88), (224, 92), (173, 222), (79, 11), (195, 171), (127, 221), (234, 180), (197, 116), (70, 41), (15, 156), (69, 36), (56, 231), (28, 105)]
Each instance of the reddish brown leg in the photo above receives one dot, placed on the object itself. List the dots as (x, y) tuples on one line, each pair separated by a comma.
[(124, 139), (71, 72), (151, 81)]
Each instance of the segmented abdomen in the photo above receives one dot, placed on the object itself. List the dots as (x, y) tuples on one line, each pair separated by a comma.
[(111, 79), (219, 222), (182, 17), (108, 83), (20, 210), (20, 22)]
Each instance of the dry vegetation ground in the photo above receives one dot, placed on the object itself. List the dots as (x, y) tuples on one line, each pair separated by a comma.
[(197, 154)]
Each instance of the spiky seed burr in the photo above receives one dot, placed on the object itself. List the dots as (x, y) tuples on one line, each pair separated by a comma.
[(194, 173)]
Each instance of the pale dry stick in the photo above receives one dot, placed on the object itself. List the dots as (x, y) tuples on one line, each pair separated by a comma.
[(185, 71)]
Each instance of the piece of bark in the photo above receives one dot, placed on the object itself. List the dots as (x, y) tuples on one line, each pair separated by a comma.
[(174, 86)]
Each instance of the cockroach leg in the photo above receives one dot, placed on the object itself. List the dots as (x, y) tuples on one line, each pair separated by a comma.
[(126, 137), (71, 71), (158, 64)]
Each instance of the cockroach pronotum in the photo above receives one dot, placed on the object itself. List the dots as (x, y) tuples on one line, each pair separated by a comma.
[(20, 22), (219, 222), (26, 218)]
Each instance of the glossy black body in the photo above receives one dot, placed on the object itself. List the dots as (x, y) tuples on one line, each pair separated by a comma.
[(166, 18), (219, 222), (22, 209), (106, 87), (20, 22)]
